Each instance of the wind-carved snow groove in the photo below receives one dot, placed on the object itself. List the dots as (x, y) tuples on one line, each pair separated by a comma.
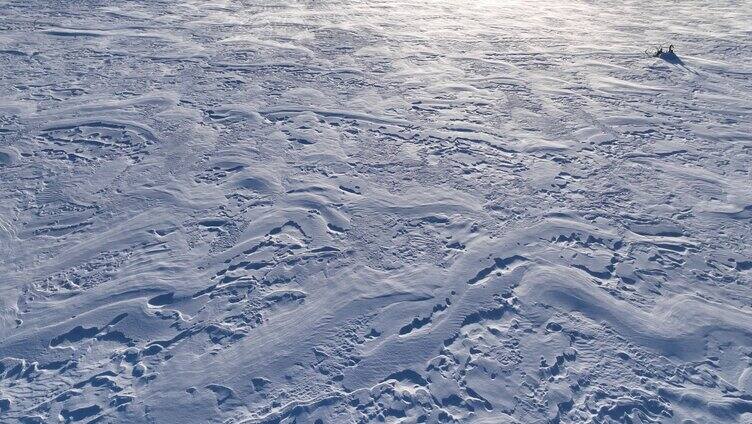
[(501, 265), (418, 323), (281, 112)]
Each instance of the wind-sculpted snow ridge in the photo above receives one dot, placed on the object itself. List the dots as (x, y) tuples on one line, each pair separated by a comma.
[(349, 212)]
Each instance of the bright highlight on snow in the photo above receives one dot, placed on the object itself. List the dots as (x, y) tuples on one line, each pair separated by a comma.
[(375, 211)]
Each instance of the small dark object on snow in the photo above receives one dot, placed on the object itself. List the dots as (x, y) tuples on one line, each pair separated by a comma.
[(658, 51)]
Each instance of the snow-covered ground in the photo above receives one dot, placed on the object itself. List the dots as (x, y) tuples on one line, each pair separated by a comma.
[(360, 211)]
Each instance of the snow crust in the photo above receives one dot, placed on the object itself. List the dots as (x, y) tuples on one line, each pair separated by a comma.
[(322, 211)]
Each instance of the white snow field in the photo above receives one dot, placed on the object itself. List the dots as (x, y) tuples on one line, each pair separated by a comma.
[(375, 211)]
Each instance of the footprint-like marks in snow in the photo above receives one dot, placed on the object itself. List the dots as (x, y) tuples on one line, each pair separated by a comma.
[(99, 139)]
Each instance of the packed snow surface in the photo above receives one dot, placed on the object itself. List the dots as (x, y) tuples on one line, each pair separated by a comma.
[(375, 211)]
